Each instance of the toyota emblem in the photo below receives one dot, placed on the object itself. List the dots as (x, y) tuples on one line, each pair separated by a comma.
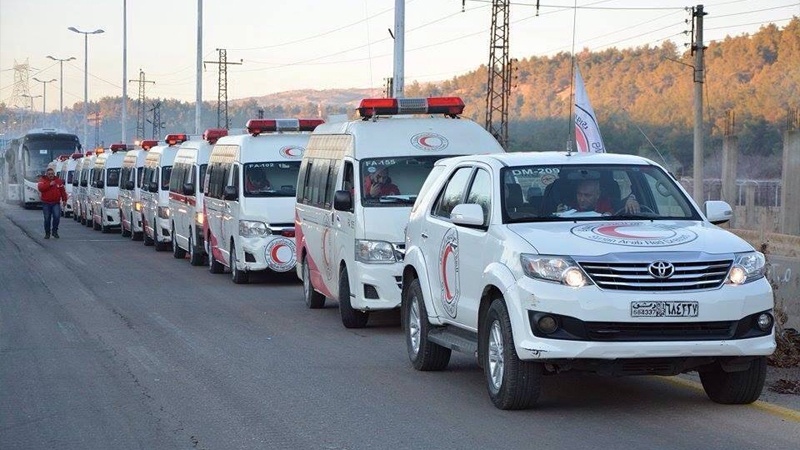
[(661, 269)]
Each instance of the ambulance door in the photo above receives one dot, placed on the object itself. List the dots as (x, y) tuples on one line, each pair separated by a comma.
[(231, 212)]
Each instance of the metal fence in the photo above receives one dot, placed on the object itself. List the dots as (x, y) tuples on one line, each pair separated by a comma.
[(767, 192)]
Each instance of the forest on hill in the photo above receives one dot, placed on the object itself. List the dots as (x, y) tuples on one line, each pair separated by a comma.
[(643, 99)]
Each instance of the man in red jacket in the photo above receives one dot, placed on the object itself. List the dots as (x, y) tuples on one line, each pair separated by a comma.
[(53, 194)]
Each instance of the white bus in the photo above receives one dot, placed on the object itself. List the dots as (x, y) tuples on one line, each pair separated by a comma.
[(32, 153)]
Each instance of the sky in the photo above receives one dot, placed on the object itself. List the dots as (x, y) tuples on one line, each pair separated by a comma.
[(322, 44)]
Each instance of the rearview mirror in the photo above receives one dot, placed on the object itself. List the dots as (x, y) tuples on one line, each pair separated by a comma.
[(100, 184), (718, 212), (230, 193), (129, 185), (342, 201), (152, 186), (468, 215), (188, 189)]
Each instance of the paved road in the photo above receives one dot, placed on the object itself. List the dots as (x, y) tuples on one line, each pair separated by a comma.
[(105, 343)]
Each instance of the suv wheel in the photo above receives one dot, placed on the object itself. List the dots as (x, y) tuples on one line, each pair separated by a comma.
[(424, 355), (735, 388), (314, 300), (351, 318), (512, 383)]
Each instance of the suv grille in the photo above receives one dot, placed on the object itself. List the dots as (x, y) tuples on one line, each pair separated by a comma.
[(634, 276)]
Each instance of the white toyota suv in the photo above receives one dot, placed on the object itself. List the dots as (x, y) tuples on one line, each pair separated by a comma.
[(539, 263)]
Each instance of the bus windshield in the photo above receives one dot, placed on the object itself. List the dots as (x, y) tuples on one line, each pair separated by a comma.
[(39, 150)]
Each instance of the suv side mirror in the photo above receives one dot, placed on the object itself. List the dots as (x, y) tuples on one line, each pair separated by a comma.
[(468, 215), (188, 189), (718, 212), (152, 186), (230, 193), (129, 185), (342, 201), (100, 184)]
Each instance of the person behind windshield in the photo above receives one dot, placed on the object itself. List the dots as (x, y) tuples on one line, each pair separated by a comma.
[(256, 181), (588, 198), (378, 183)]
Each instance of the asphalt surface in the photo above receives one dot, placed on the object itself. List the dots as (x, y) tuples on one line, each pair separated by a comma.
[(105, 343)]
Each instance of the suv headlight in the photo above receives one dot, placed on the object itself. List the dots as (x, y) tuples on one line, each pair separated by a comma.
[(747, 267), (559, 269), (110, 203), (374, 252), (163, 212), (251, 228)]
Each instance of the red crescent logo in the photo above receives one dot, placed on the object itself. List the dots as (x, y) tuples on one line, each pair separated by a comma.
[(447, 294), (611, 230), (274, 253), (324, 246), (292, 152)]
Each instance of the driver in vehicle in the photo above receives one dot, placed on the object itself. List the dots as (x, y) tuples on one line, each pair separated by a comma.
[(256, 181), (588, 198), (378, 183)]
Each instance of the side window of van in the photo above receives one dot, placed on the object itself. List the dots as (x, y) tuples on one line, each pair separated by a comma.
[(175, 178), (330, 185), (234, 179), (453, 193)]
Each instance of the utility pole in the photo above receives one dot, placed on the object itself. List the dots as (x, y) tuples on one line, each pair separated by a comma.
[(95, 120), (222, 93), (699, 75), (156, 122), (398, 71), (499, 85), (140, 104)]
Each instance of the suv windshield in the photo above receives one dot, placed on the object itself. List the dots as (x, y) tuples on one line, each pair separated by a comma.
[(599, 192), (394, 181)]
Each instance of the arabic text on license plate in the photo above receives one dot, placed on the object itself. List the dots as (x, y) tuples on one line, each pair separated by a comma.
[(664, 309)]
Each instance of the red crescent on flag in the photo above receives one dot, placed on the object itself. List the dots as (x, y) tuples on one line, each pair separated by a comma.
[(580, 140), (448, 296)]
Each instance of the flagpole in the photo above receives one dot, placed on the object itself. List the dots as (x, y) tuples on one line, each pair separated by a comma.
[(572, 111)]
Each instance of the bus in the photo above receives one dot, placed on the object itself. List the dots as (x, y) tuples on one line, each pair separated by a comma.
[(27, 159)]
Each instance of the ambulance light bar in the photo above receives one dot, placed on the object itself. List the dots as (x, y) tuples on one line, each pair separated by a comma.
[(63, 157), (117, 147), (450, 106), (148, 144), (175, 139), (213, 134), (258, 126), (77, 155)]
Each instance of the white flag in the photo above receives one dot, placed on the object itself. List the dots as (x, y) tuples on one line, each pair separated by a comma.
[(587, 133)]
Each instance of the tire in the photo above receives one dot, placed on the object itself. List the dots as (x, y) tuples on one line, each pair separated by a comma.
[(512, 383), (125, 233), (195, 256), (351, 318), (159, 246), (177, 252), (314, 300), (735, 388), (424, 355), (146, 239), (237, 276), (96, 226), (214, 266)]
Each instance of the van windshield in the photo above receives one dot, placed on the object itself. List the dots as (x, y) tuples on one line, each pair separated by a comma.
[(271, 179), (394, 181)]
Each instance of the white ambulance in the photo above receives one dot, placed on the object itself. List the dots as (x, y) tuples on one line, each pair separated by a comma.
[(77, 189), (67, 174), (155, 192), (547, 262), (186, 196), (356, 186), (104, 192), (131, 182), (87, 175), (249, 197)]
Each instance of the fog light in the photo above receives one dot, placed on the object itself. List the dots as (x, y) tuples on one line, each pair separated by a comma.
[(764, 322), (547, 324)]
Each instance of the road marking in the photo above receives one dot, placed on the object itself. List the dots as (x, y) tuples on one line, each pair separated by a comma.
[(780, 411)]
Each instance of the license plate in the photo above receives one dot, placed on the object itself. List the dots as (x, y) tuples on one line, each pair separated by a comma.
[(664, 309)]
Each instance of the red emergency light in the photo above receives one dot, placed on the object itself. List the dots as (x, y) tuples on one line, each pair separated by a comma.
[(175, 139), (77, 155), (117, 147), (147, 145), (213, 134), (449, 106), (89, 153), (63, 157), (258, 126)]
